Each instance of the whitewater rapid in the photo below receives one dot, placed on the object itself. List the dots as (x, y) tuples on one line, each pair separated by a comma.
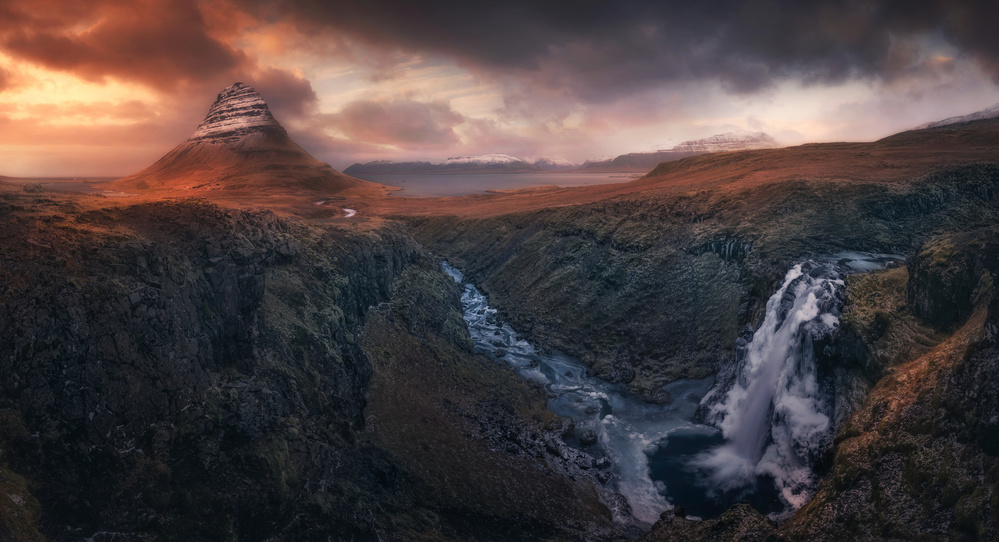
[(765, 427), (625, 425), (775, 418)]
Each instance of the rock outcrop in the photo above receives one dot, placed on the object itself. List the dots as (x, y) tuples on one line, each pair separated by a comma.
[(647, 289), (741, 523), (238, 112), (945, 274), (919, 459), (184, 371)]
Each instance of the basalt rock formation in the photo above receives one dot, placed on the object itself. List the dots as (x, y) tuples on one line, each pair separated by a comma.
[(178, 370), (920, 458), (656, 284), (240, 147), (183, 371)]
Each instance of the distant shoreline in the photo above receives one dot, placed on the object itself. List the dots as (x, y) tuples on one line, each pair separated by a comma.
[(448, 185)]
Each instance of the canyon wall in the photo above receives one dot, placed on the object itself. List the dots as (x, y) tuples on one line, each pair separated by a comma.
[(179, 370)]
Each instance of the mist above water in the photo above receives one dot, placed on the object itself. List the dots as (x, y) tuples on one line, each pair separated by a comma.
[(776, 419)]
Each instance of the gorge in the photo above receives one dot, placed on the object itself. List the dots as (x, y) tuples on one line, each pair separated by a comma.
[(809, 329), (766, 428)]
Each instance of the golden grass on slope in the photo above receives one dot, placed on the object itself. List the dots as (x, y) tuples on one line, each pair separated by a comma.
[(895, 160), (269, 163)]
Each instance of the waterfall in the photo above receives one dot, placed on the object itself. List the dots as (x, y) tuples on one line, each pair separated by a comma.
[(775, 418), (769, 424), (626, 426)]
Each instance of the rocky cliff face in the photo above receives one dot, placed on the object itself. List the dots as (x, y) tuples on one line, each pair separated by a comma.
[(640, 288), (473, 437), (238, 112), (649, 289), (919, 459), (946, 273), (197, 374), (179, 370)]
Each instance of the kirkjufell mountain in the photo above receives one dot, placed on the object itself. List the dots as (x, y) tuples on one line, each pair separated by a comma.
[(241, 147)]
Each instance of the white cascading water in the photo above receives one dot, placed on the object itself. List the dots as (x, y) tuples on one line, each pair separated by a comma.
[(775, 419), (625, 424), (774, 416)]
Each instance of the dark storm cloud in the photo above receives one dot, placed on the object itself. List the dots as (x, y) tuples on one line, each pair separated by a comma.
[(165, 44), (152, 41), (287, 95), (603, 49)]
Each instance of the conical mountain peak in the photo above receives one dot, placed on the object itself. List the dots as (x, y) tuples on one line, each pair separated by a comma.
[(240, 148), (238, 111)]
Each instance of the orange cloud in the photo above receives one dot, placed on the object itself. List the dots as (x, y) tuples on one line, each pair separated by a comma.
[(160, 43), (111, 73), (6, 79)]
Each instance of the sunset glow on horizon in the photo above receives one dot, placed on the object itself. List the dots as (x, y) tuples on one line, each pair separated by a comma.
[(105, 88)]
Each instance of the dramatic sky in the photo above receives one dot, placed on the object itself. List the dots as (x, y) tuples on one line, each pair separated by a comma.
[(105, 87)]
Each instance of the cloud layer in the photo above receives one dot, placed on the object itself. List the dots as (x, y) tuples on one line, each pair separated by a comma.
[(400, 123), (363, 79), (602, 49)]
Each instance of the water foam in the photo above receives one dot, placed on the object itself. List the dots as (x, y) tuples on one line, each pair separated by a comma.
[(627, 426), (775, 417), (768, 425)]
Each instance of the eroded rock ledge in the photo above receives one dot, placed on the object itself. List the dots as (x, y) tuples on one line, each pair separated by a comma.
[(183, 371)]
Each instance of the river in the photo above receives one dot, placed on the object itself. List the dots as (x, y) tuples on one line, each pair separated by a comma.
[(761, 430)]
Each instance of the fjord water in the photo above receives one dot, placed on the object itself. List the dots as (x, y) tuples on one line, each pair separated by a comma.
[(440, 185), (763, 429)]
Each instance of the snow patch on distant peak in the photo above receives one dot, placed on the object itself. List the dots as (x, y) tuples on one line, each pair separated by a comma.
[(483, 159), (987, 113), (729, 141), (662, 146), (550, 164)]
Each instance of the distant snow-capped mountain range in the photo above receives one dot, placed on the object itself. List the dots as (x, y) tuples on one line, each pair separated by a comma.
[(646, 161), (634, 162), (483, 159), (729, 141), (987, 113), (638, 162)]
